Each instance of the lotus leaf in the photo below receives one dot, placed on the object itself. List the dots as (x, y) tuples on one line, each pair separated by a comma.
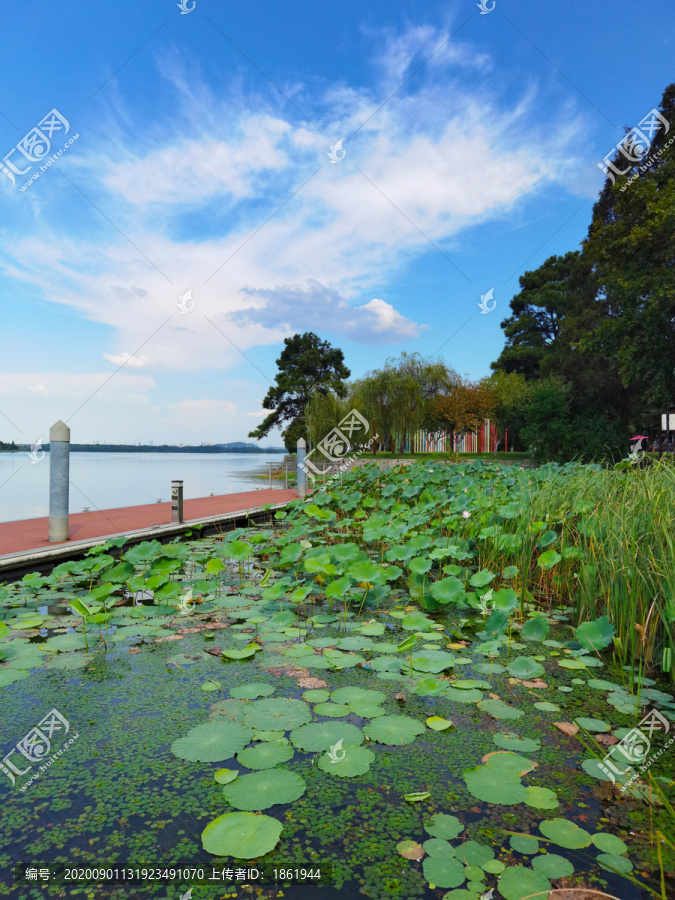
[(565, 833), (356, 761), (277, 715), (444, 826), (525, 667), (212, 742), (324, 735), (517, 882), (394, 730), (444, 873), (264, 789), (241, 835), (499, 710), (266, 754)]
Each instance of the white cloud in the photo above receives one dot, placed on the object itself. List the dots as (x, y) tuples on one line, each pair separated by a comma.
[(258, 414), (125, 359)]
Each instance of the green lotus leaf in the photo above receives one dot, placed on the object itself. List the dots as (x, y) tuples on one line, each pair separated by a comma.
[(431, 687), (517, 882), (433, 661), (508, 741), (565, 833), (460, 695), (210, 686), (500, 710), (593, 724), (9, 676), (241, 835), (444, 826), (264, 789), (493, 785), (553, 866), (277, 715), (212, 742), (609, 843), (473, 853), (525, 667), (417, 797), (334, 710), (438, 723), (521, 843), (394, 730), (595, 635), (225, 776), (252, 691), (439, 848), (535, 629), (356, 642), (546, 706), (614, 863), (324, 735), (356, 761), (366, 709), (447, 590), (541, 798), (443, 873), (318, 695), (266, 754)]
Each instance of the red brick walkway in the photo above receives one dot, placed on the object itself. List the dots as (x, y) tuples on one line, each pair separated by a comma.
[(32, 534)]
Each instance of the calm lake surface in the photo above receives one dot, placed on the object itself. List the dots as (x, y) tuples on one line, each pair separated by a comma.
[(110, 480)]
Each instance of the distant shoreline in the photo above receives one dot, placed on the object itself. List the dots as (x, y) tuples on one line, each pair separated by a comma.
[(146, 448)]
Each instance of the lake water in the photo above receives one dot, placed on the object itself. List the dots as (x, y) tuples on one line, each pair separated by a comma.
[(110, 480)]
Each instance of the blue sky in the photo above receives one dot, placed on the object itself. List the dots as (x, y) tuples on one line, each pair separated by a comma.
[(201, 164)]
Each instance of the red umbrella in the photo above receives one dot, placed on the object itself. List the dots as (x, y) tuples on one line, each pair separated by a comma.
[(640, 437)]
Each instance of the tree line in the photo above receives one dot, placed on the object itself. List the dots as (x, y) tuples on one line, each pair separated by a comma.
[(589, 355)]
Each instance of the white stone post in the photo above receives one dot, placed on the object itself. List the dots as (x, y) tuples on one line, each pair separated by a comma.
[(59, 481), (302, 477)]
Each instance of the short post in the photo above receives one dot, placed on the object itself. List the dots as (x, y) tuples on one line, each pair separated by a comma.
[(302, 479), (286, 476), (270, 473), (59, 480), (177, 502)]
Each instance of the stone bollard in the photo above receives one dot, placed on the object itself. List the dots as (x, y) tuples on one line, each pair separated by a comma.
[(177, 502), (59, 480), (302, 476)]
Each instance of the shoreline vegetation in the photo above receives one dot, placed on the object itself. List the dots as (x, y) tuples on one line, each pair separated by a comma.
[(149, 448)]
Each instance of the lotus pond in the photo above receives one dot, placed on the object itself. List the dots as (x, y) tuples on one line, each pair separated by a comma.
[(413, 679)]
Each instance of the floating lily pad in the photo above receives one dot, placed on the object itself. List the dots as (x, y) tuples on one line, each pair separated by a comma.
[(333, 710), (394, 730), (614, 863), (494, 785), (9, 676), (553, 866), (431, 687), (277, 715), (324, 735), (593, 724), (264, 789), (517, 882), (609, 843), (349, 694), (252, 691), (541, 798), (444, 826), (500, 710), (356, 761), (525, 667), (463, 696), (438, 723), (546, 706), (210, 686), (417, 797), (443, 873), (241, 835), (508, 741), (473, 853), (521, 843), (318, 695), (266, 754), (225, 776), (439, 849), (565, 833), (68, 661), (212, 742)]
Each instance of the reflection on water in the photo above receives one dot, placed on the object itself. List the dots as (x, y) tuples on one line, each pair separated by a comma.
[(110, 480)]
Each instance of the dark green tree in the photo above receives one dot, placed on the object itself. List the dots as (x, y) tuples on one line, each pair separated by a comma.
[(537, 311), (307, 365), (631, 249)]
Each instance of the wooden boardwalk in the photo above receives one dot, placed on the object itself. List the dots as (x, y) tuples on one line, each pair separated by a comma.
[(31, 535)]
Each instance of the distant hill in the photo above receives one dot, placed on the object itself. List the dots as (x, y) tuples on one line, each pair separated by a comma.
[(235, 447)]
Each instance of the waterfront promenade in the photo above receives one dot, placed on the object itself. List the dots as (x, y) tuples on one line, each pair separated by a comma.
[(31, 535)]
